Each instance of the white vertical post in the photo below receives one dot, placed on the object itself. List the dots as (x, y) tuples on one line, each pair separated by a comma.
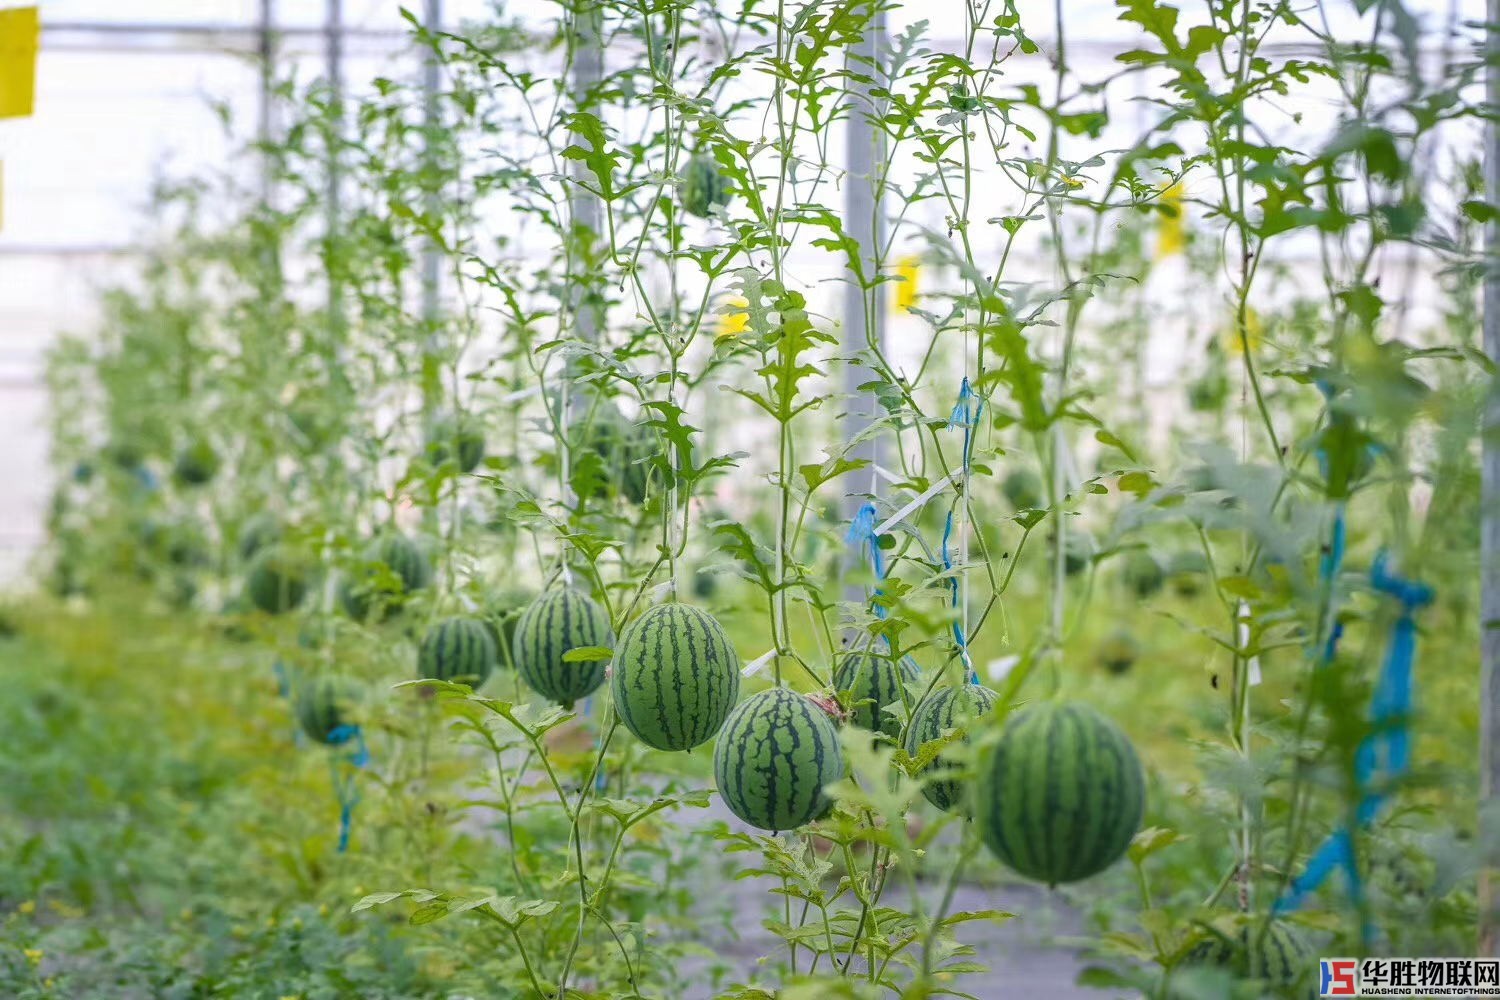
[(864, 308), (432, 261), (588, 69), (266, 51), (334, 52), (1489, 546)]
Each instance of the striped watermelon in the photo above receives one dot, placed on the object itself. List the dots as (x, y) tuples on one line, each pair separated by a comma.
[(946, 711), (324, 705), (703, 186), (502, 611), (775, 755), (459, 439), (1078, 551), (1277, 954), (1061, 794), (675, 677), (458, 649), (867, 683), (558, 621), (257, 533), (1023, 488), (1119, 651), (277, 580), (1143, 573), (619, 450), (196, 464), (392, 568)]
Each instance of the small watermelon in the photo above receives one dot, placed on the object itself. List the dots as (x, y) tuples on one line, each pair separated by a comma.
[(502, 611), (277, 580), (869, 682), (325, 709), (675, 677), (1061, 795), (196, 464), (1079, 551), (613, 458), (459, 439), (1119, 651), (1208, 391), (393, 567), (945, 711), (1023, 488), (257, 533), (458, 649), (1143, 573), (774, 757), (1277, 954), (558, 621), (125, 454), (703, 187), (1186, 570)]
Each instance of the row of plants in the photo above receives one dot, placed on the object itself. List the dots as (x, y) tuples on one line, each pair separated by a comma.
[(504, 429)]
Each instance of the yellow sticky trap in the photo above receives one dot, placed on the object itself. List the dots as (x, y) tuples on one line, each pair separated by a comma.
[(1171, 227), (906, 284), (20, 36), (735, 320)]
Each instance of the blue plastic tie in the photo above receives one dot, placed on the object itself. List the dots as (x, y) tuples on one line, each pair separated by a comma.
[(965, 415), (344, 786), (1386, 751)]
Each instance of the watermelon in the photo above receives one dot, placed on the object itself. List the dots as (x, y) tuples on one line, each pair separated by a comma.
[(613, 456), (675, 677), (775, 755), (196, 464), (1078, 551), (502, 611), (393, 567), (1023, 488), (944, 711), (1277, 954), (1061, 794), (458, 649), (257, 533), (277, 580), (703, 187), (1186, 569), (324, 705), (1143, 573), (1119, 651), (867, 683), (1208, 391), (558, 621), (455, 438)]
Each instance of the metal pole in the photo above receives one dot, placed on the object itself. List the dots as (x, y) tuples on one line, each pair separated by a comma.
[(334, 51), (1489, 545), (432, 260), (266, 44), (588, 69), (864, 307)]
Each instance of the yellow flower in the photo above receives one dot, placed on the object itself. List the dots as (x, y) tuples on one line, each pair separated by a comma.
[(35, 955), (736, 319), (1254, 330), (1171, 226), (28, 907), (906, 284), (65, 910)]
